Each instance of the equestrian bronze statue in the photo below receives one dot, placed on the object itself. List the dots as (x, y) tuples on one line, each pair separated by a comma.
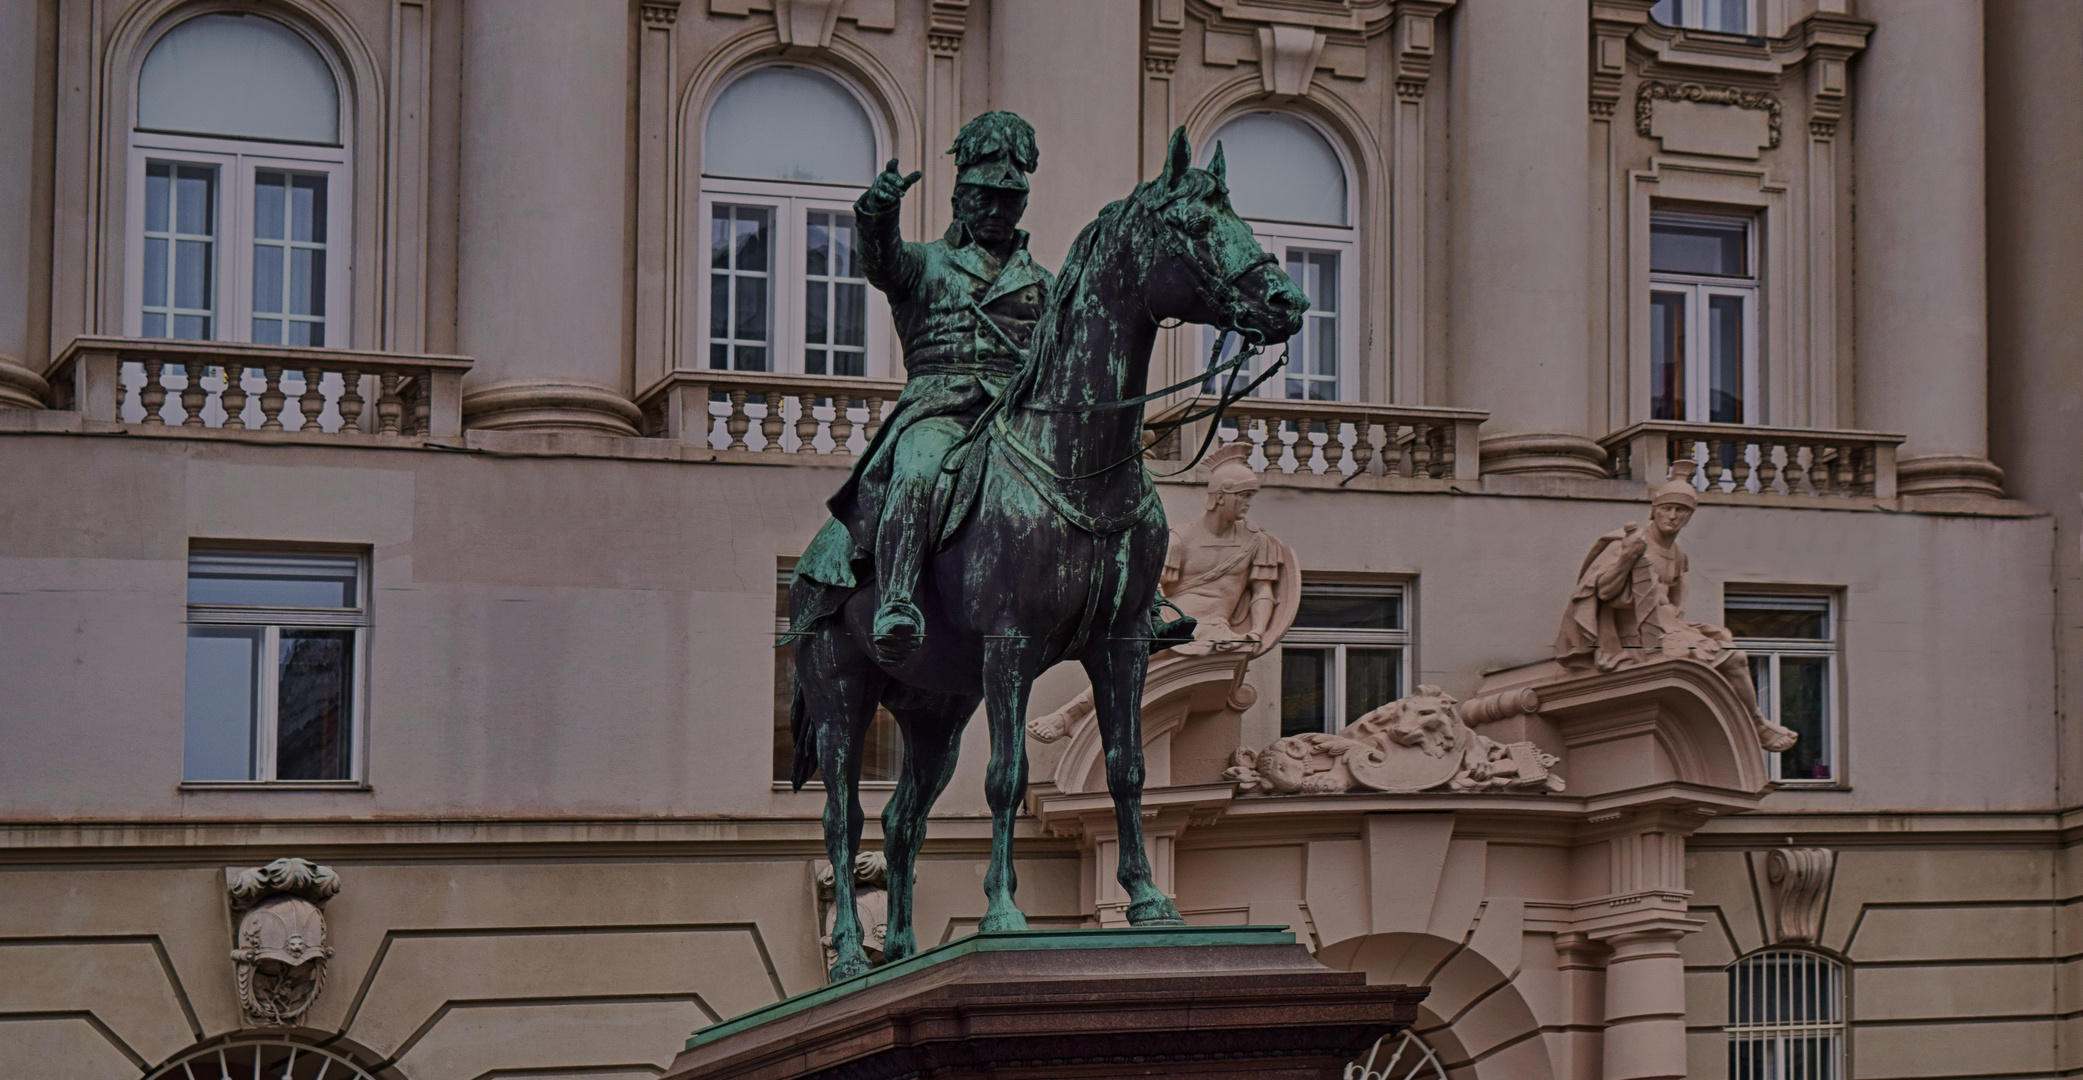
[(1002, 521)]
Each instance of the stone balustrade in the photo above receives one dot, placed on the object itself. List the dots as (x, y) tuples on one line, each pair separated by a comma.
[(758, 412), (1340, 438), (224, 386), (1744, 461)]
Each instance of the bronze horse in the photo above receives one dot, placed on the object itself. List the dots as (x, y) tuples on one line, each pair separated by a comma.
[(1058, 559)]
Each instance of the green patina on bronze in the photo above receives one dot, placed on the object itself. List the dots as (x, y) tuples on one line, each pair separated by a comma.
[(1002, 521)]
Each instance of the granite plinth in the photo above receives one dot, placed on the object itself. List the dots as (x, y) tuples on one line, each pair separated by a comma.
[(1240, 1002)]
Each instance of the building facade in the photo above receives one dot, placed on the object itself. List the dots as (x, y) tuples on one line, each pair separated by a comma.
[(410, 408)]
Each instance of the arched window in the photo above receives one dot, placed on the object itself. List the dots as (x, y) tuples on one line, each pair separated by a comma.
[(1401, 1056), (238, 196), (785, 151), (270, 1057), (1288, 180), (1786, 1017)]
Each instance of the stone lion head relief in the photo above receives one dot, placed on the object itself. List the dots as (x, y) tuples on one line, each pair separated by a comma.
[(1424, 720), (281, 954)]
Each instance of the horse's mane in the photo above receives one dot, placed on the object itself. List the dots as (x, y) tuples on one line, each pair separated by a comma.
[(1050, 329)]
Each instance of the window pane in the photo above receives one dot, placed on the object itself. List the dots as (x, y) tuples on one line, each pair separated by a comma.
[(1350, 611), (1778, 617), (306, 281), (751, 358), (155, 275), (1304, 676), (719, 305), (842, 246), (789, 123), (1726, 16), (267, 277), (1725, 359), (267, 331), (191, 327), (232, 74), (222, 694), (751, 242), (719, 237), (814, 361), (159, 176), (191, 274), (316, 672), (819, 245), (311, 581), (195, 206), (750, 321), (270, 204), (155, 324), (1803, 706), (307, 209), (307, 333), (1700, 247), (1278, 167), (1373, 678), (814, 303), (850, 314), (1667, 356)]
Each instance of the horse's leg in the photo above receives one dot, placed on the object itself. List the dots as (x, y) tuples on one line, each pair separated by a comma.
[(842, 701), (1116, 667), (1006, 681), (932, 735)]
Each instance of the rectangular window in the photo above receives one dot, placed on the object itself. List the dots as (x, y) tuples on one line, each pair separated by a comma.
[(1347, 654), (1720, 16), (883, 752), (179, 267), (1793, 646), (275, 647), (1322, 359), (289, 256), (1703, 318), (740, 287)]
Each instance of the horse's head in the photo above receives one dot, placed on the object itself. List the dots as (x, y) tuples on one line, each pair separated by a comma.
[(1206, 266)]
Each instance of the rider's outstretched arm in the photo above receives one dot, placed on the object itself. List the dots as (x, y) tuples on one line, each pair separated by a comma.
[(888, 263)]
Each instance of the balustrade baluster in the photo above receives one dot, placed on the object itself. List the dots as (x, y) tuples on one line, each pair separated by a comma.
[(1421, 450), (806, 424), (1845, 474), (1443, 451), (1622, 466), (771, 424), (193, 396), (737, 422), (1822, 468), (1391, 449), (423, 404), (1334, 447), (351, 400), (153, 394), (842, 424), (874, 423), (1867, 471), (1768, 470), (272, 399), (312, 401), (1740, 468), (234, 396), (1363, 447), (389, 407)]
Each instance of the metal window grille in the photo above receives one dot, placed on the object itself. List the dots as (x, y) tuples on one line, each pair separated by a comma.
[(1786, 1017), (1402, 1056), (267, 1059)]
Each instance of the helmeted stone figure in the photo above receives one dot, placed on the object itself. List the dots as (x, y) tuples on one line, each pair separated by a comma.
[(1629, 605), (965, 306)]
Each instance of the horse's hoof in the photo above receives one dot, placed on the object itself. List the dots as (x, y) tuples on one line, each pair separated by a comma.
[(1157, 912), (849, 966), (895, 948), (998, 922)]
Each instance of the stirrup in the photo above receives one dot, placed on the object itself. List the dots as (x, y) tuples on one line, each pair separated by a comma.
[(1166, 633), (900, 628)]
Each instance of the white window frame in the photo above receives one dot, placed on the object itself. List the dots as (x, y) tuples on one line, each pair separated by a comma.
[(1692, 15), (791, 205), (1829, 648), (272, 621), (236, 162), (1698, 289), (1281, 239), (1339, 640)]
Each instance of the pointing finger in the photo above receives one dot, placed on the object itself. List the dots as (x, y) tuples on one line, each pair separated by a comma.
[(913, 178)]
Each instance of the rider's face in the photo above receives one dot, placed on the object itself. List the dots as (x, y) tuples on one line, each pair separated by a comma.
[(991, 214)]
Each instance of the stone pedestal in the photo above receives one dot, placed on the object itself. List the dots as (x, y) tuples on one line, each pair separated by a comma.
[(1230, 1001)]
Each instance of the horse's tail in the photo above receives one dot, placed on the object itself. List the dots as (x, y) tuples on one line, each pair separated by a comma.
[(803, 733)]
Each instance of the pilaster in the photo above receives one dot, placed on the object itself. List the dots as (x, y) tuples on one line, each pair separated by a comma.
[(655, 225)]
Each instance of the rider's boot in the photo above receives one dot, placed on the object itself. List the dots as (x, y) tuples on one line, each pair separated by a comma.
[(900, 552)]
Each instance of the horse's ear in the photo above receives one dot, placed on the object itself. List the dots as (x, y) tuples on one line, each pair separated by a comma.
[(1215, 165), (1177, 159)]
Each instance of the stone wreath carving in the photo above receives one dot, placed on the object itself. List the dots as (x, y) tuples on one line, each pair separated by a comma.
[(1651, 92), (871, 901), (1417, 743), (281, 956)]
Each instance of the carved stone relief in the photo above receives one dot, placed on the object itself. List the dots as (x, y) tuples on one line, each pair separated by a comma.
[(1416, 743), (1714, 120), (871, 900), (280, 961), (1800, 877)]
